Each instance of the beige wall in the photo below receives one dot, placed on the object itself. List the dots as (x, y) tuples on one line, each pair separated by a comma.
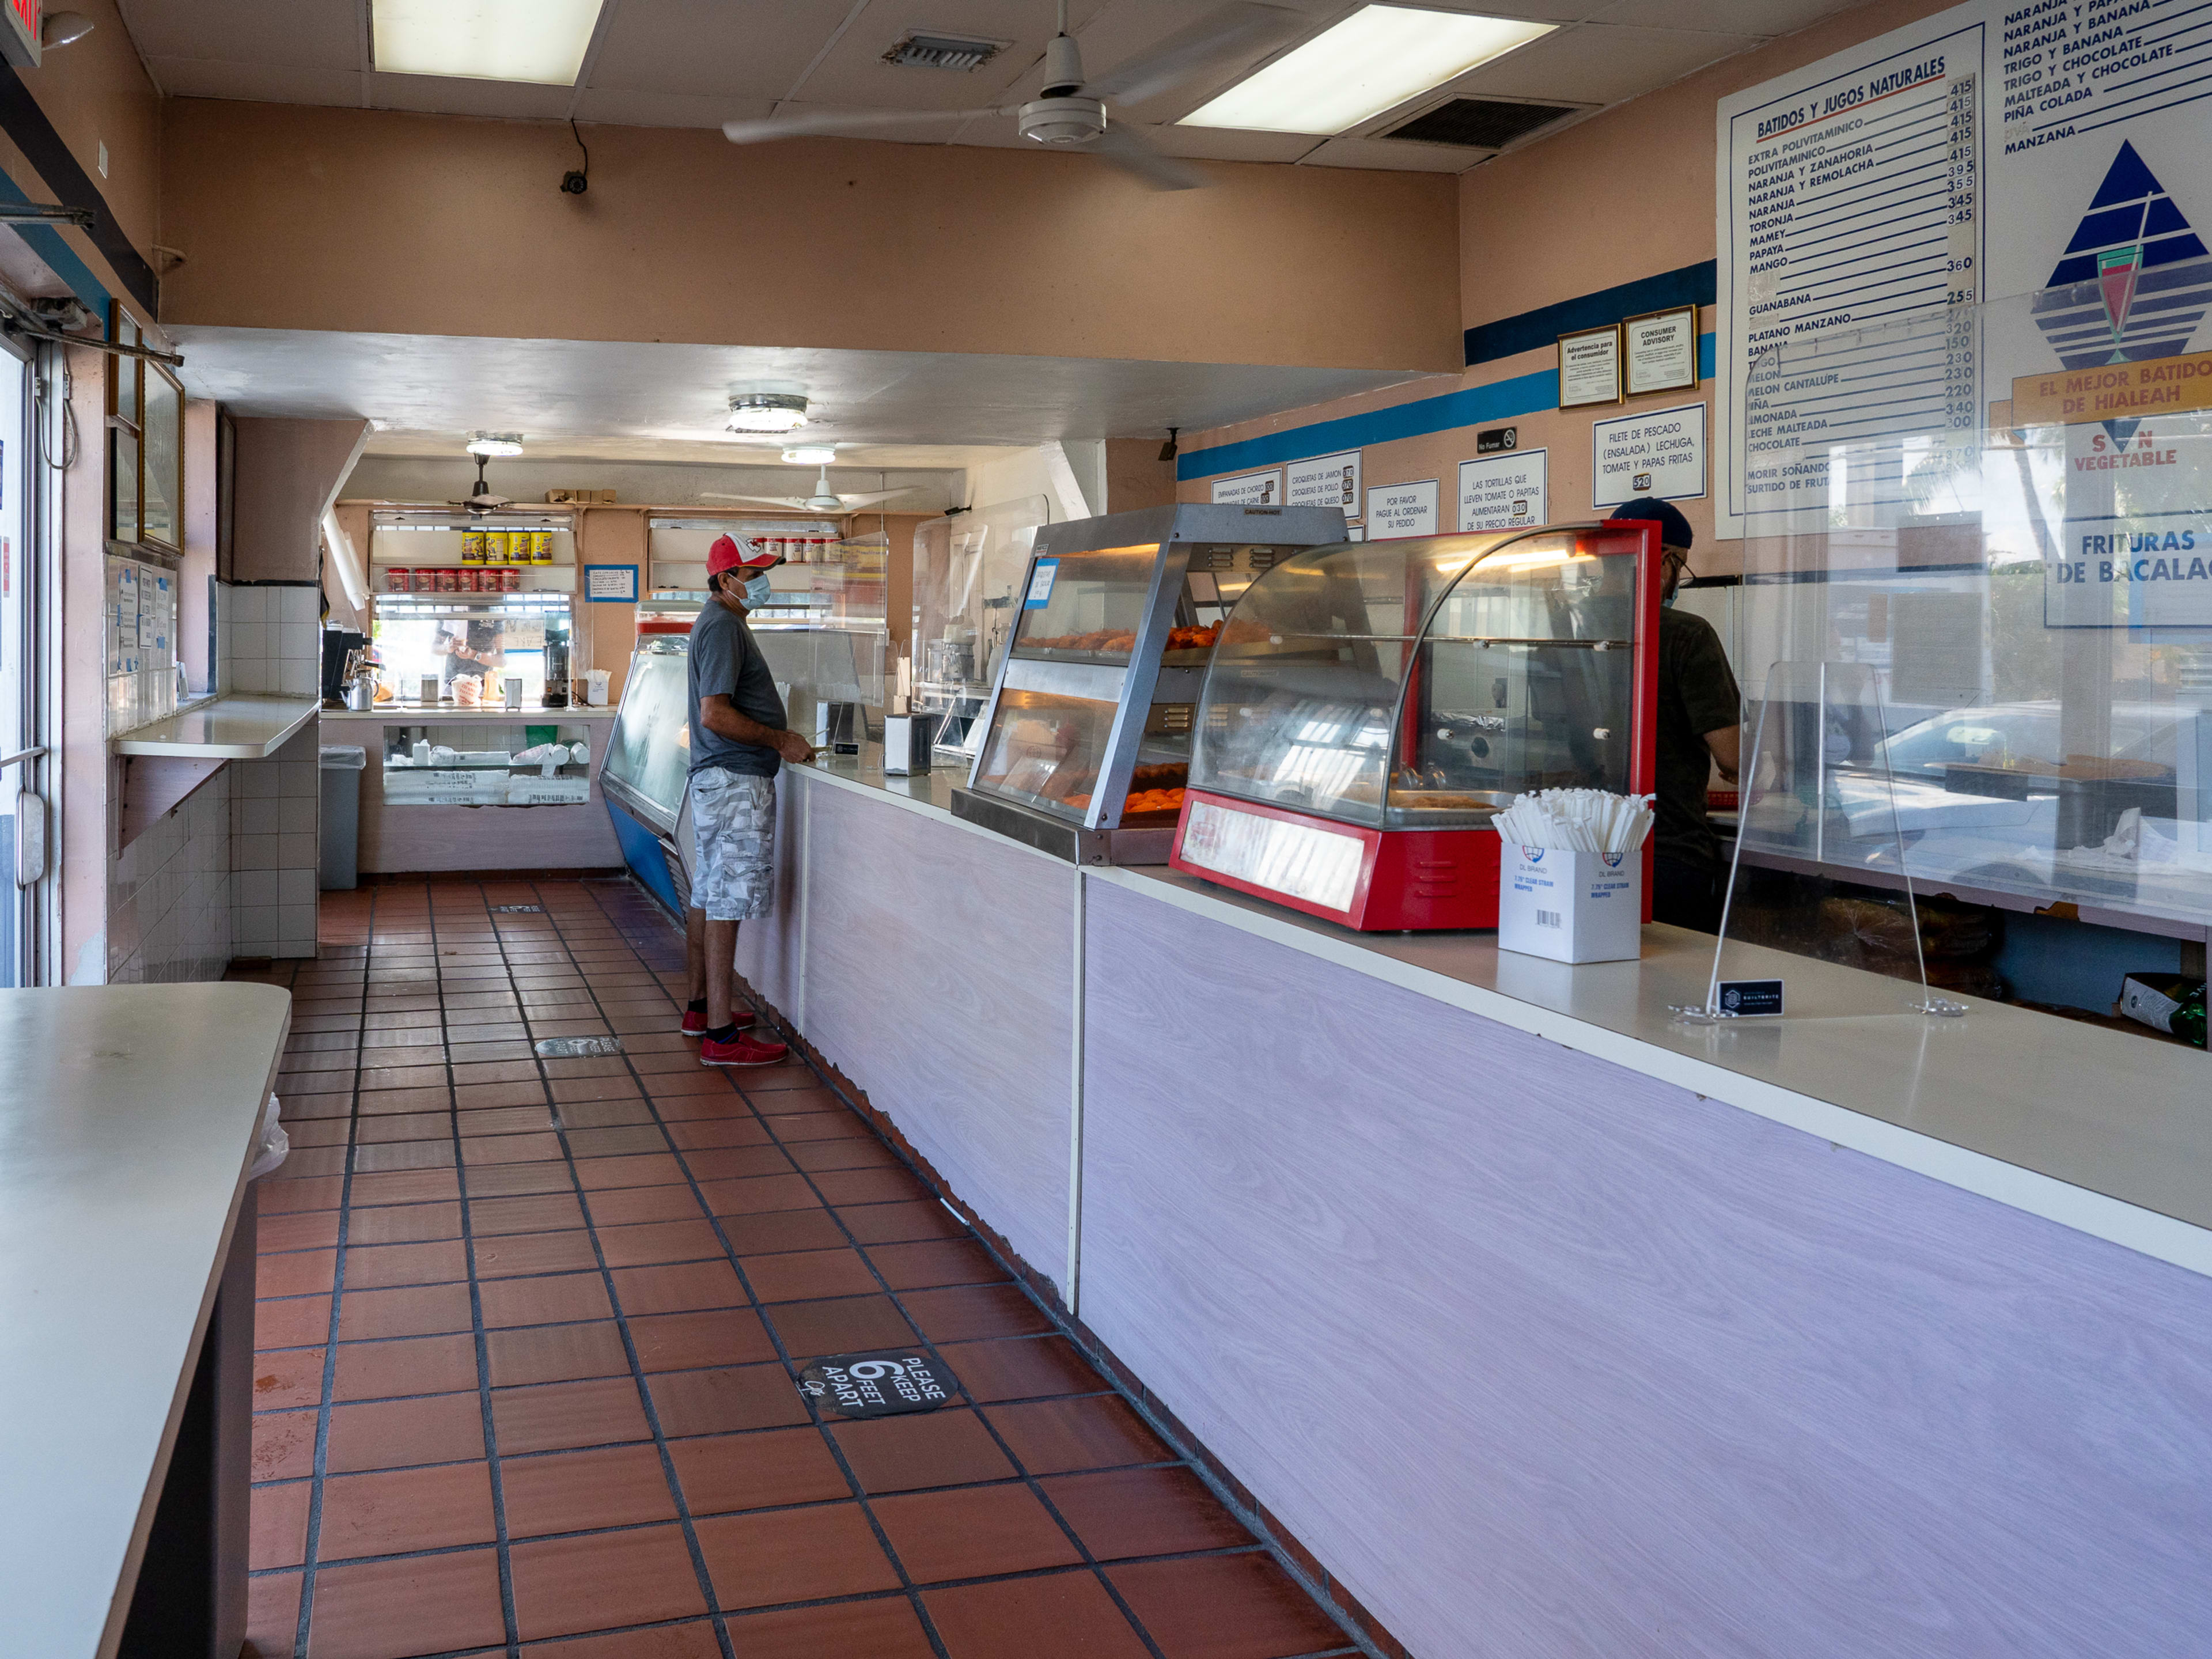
[(288, 472), (371, 221), (95, 92)]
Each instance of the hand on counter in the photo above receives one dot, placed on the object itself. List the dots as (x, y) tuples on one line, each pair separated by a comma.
[(794, 748)]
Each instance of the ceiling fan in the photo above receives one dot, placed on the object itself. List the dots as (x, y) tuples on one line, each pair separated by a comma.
[(1070, 113), (824, 499), (481, 501)]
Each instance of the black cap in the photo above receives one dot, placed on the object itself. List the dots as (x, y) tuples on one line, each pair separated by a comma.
[(1673, 528)]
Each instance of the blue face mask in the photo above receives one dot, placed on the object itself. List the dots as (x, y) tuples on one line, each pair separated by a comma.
[(757, 590)]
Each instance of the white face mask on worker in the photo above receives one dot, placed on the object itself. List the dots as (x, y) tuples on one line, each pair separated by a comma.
[(757, 590)]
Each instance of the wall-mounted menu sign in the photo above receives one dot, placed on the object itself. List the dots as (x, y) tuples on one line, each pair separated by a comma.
[(1503, 492), (1662, 354), (1250, 489), (610, 584), (1406, 509), (1327, 481), (1659, 452), (1590, 367)]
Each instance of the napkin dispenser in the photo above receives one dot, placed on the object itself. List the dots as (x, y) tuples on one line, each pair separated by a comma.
[(906, 741)]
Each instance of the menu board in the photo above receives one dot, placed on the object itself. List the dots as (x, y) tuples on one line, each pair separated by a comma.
[(1327, 481), (1879, 196), (1504, 492), (1250, 489)]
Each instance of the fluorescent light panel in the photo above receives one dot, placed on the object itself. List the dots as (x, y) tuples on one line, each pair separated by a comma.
[(1374, 60), (537, 40)]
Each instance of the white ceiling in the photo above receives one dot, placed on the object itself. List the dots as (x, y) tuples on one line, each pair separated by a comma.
[(700, 63)]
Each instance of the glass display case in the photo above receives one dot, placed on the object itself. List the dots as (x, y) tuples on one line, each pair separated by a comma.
[(511, 762), (649, 762), (1370, 708), (1087, 736)]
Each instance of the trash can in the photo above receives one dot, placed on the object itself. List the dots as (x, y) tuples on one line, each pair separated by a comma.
[(342, 767)]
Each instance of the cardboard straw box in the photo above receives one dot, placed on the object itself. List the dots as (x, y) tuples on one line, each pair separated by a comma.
[(1570, 906)]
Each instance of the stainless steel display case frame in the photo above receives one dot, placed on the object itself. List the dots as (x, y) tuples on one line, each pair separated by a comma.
[(1134, 687)]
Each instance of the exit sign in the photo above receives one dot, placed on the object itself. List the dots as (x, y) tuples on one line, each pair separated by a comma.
[(19, 39)]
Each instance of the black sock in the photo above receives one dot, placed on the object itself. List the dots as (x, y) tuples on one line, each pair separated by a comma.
[(724, 1033), (697, 1005)]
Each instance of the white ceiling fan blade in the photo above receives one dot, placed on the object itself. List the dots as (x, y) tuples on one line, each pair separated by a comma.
[(1223, 38), (853, 503), (853, 123), (1128, 149), (795, 503)]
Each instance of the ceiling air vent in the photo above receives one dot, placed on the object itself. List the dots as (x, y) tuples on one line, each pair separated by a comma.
[(1480, 123), (942, 51)]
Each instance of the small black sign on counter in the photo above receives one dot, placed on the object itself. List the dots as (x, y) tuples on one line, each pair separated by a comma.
[(1496, 441), (883, 1384), (1747, 997)]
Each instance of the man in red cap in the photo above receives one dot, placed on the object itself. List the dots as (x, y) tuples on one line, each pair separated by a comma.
[(738, 740)]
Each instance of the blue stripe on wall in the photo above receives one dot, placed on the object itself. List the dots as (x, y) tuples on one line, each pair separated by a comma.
[(1479, 405), (1691, 285), (47, 244)]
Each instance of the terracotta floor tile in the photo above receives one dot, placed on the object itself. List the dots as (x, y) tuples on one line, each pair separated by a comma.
[(399, 1511), (646, 1170), (784, 1230), (377, 1266), (847, 1325), (404, 1089), (614, 1143), (404, 1223), (406, 1187), (537, 1212), (283, 1446), (801, 1129), (935, 1262), (794, 1555), (947, 1448), (1022, 1368), (290, 1197), (1070, 1612), (295, 1322), (821, 1156), (392, 1434), (899, 1223), (496, 1071), (670, 1086), (476, 1053), (404, 1125), (422, 1364), (535, 1253), (759, 1196), (517, 1180), (841, 1187), (804, 1275), (301, 1107), (781, 1080), (559, 1353), (1224, 1607), (277, 1522), (403, 1155), (308, 1230), (299, 1273), (685, 1341), (420, 1604), (543, 1301), (272, 1616), (725, 1106), (884, 1627), (1052, 1436), (969, 1313), (511, 1149), (726, 1401), (746, 1131), (975, 1531), (566, 1586), (606, 1085), (503, 1120), (733, 1163), (289, 1379), (804, 1098), (684, 1287), (317, 1131), (568, 1414), (416, 1310), (587, 1066), (726, 1472), (578, 1491), (1131, 1512), (602, 1114), (474, 1097), (652, 1243), (626, 1206), (693, 1640)]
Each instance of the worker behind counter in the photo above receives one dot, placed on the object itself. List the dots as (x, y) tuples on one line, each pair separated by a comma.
[(1700, 724)]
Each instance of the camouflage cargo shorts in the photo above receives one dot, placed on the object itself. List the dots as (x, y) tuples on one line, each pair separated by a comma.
[(729, 853)]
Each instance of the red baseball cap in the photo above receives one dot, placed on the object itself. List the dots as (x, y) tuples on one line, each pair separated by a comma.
[(728, 554)]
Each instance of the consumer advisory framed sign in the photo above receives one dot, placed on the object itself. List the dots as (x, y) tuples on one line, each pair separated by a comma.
[(1660, 350), (1590, 367)]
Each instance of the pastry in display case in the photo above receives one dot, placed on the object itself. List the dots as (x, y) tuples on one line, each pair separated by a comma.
[(1370, 708), (1086, 741)]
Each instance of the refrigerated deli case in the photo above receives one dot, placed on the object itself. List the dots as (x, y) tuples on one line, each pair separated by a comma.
[(1087, 747), (1370, 708)]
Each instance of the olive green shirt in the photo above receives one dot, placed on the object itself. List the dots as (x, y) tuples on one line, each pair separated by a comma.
[(1697, 695)]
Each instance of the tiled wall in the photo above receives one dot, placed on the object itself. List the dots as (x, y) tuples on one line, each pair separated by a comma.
[(271, 637), (169, 895), (276, 853)]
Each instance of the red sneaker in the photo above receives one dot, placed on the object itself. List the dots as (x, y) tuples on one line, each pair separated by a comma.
[(694, 1023), (742, 1050)]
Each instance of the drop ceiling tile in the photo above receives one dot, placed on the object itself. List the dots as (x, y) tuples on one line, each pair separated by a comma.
[(263, 83), (1383, 155), (1598, 63), (667, 109), (1767, 17), (733, 49), (1229, 143), (441, 95), (855, 72), (297, 34)]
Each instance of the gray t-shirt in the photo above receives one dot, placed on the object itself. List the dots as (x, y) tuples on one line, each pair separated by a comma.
[(726, 660)]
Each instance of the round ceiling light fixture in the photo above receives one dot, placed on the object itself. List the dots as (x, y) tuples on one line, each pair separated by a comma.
[(495, 443), (810, 455), (767, 411), (62, 28)]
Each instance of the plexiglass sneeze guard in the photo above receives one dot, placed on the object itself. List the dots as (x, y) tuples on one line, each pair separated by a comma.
[(2012, 547)]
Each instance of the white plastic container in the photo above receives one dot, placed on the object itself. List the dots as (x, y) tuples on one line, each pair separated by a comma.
[(1570, 906)]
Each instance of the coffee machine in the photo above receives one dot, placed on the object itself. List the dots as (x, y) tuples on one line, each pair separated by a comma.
[(557, 665)]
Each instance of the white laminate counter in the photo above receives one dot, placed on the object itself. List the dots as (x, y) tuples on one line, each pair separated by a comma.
[(2105, 1132), (238, 727), (127, 1118)]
